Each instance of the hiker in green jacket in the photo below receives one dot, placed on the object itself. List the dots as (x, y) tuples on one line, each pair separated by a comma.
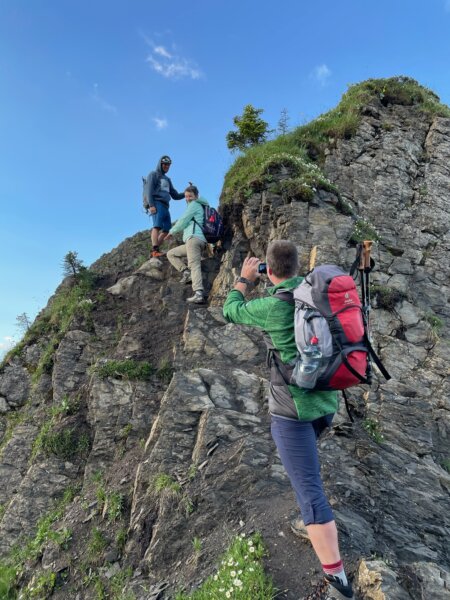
[(190, 223), (298, 416)]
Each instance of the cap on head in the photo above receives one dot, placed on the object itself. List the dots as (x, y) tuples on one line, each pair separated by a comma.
[(166, 160)]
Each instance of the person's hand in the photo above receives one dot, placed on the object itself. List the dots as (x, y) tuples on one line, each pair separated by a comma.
[(153, 210), (250, 269)]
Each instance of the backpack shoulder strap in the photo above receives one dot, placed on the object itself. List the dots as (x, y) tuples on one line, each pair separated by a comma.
[(195, 220)]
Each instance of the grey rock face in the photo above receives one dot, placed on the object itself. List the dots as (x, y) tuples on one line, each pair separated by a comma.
[(188, 449), (35, 496), (122, 286), (15, 384), (14, 461), (70, 366)]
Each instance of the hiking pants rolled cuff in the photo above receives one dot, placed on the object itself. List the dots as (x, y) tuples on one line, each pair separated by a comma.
[(296, 442)]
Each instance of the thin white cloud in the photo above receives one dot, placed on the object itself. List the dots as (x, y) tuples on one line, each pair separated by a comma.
[(169, 63), (321, 74), (160, 123), (162, 51), (7, 343), (104, 105)]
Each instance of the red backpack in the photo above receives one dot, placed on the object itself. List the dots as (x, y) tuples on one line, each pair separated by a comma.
[(330, 327)]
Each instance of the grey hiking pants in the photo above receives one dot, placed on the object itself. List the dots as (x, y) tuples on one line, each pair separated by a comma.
[(193, 250)]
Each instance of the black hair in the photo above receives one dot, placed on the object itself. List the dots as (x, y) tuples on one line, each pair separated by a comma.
[(193, 189)]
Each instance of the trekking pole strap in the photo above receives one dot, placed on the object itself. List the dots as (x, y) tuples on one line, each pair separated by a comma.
[(376, 359), (347, 406)]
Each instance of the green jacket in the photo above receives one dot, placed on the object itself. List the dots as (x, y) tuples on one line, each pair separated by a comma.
[(276, 318), (186, 222)]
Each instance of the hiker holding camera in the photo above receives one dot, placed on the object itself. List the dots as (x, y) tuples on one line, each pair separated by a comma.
[(298, 416), (190, 223)]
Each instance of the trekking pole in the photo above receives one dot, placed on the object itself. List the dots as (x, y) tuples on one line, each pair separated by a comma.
[(365, 267)]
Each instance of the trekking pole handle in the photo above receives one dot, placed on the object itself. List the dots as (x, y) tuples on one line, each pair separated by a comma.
[(312, 258), (365, 256)]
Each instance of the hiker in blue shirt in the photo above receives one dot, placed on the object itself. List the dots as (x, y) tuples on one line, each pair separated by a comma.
[(190, 223), (158, 190)]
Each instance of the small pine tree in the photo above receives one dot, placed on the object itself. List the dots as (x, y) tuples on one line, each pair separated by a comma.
[(251, 129), (23, 322), (72, 265), (283, 123)]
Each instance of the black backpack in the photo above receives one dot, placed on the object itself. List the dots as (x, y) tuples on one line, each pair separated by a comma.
[(212, 227)]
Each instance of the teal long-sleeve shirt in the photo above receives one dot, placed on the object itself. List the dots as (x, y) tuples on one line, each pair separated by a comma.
[(276, 318), (190, 221)]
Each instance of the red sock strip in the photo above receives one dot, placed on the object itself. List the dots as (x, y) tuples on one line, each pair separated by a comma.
[(334, 568)]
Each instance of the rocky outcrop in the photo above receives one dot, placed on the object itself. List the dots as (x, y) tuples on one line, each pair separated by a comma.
[(171, 400), (14, 386)]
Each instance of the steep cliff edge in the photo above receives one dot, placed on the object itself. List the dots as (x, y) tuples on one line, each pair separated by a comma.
[(134, 431)]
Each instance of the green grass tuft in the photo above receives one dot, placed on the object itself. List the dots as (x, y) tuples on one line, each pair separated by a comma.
[(165, 371), (363, 230), (40, 587), (239, 576), (97, 543), (163, 481), (372, 426), (387, 297), (7, 582), (124, 369), (56, 439)]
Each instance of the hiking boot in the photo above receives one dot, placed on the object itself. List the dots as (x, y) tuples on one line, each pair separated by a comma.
[(186, 277), (331, 588), (337, 590), (197, 298), (157, 254), (298, 528)]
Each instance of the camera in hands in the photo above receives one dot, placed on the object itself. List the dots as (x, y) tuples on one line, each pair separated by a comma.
[(262, 268)]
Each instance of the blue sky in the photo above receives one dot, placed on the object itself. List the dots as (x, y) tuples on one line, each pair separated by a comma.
[(93, 92)]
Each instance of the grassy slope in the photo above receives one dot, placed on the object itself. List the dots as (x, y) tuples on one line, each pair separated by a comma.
[(303, 148)]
